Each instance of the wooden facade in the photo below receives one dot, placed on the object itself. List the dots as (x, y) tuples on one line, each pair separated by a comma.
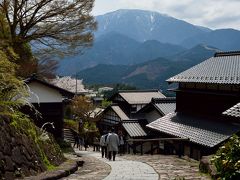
[(207, 99), (125, 106), (108, 119), (51, 112), (204, 92), (48, 100)]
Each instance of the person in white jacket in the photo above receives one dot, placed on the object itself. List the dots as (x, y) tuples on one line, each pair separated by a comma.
[(112, 144), (103, 144)]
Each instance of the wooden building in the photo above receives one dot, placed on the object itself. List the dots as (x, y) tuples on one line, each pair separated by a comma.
[(49, 100), (157, 108), (122, 113), (204, 95), (114, 116), (133, 100)]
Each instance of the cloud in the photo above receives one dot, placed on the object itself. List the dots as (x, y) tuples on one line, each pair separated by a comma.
[(210, 13)]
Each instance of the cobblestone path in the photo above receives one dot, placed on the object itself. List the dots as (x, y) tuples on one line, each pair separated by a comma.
[(136, 167)]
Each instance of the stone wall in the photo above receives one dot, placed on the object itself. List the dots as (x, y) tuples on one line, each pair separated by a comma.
[(21, 155)]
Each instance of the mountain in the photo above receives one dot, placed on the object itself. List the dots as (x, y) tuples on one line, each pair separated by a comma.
[(150, 74), (196, 54), (147, 25), (114, 48), (153, 49), (103, 74), (127, 37), (225, 39), (111, 48)]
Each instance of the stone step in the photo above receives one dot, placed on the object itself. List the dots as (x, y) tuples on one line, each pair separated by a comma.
[(68, 135)]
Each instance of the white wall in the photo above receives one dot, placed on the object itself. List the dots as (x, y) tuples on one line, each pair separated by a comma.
[(44, 93)]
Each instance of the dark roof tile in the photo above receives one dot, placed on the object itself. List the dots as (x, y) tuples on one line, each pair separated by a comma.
[(200, 130), (222, 69), (233, 111), (134, 129)]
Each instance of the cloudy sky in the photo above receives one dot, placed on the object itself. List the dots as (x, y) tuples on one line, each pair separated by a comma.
[(209, 13)]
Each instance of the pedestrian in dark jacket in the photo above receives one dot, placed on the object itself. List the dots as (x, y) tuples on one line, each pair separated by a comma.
[(76, 140)]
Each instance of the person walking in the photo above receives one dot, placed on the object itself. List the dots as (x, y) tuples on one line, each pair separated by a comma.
[(76, 140), (81, 143), (121, 142), (112, 144), (103, 144)]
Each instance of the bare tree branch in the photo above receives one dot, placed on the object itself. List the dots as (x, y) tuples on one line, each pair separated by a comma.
[(67, 23)]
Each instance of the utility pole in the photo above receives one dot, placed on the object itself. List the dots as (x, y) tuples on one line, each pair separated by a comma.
[(76, 85)]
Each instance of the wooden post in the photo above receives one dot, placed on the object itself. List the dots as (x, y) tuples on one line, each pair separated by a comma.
[(179, 150), (151, 148), (141, 148), (134, 148), (191, 152)]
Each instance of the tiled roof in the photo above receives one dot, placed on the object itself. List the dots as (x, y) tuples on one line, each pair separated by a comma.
[(134, 129), (119, 112), (140, 97), (199, 130), (96, 112), (165, 105), (223, 68), (63, 91), (233, 111)]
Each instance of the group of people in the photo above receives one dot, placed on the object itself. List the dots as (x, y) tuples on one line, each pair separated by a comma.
[(109, 143), (80, 142)]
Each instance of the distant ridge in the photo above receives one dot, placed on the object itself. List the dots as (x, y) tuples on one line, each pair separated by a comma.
[(224, 39), (130, 37), (147, 75)]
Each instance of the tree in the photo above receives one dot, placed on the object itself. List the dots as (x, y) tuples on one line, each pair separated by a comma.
[(51, 26), (83, 109), (12, 90), (106, 103), (4, 29), (116, 88), (46, 68)]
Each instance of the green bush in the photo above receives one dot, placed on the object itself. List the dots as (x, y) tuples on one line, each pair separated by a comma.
[(227, 159), (65, 146), (72, 124), (48, 150)]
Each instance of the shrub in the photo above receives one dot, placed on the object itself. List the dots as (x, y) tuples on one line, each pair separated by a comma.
[(65, 146), (227, 159), (72, 124)]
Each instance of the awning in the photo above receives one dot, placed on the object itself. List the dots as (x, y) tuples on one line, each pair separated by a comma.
[(134, 129)]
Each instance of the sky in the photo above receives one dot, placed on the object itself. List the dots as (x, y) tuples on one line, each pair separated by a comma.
[(214, 14)]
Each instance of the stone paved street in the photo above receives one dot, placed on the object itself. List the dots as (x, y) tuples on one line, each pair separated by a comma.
[(92, 169), (135, 167), (171, 167)]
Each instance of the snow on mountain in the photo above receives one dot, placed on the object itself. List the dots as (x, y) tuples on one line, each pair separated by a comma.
[(144, 25)]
